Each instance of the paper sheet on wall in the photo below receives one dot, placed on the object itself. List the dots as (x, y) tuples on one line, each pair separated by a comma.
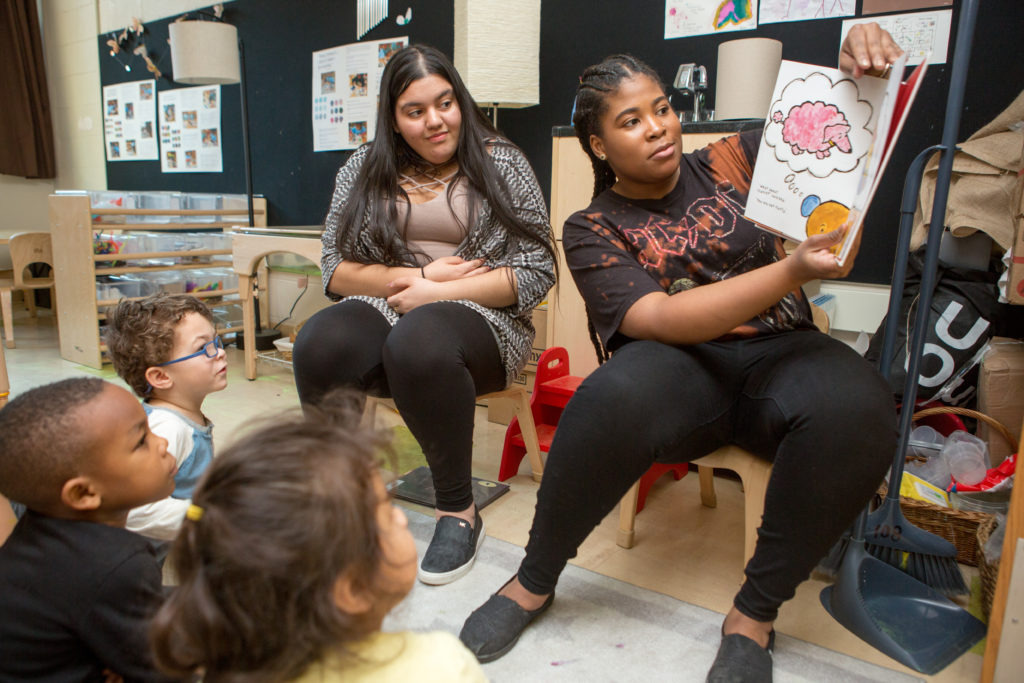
[(774, 11), (346, 82), (918, 33), (190, 130), (129, 121), (697, 17)]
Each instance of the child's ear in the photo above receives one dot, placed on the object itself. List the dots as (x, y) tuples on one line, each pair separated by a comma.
[(158, 378), (349, 599), (79, 493)]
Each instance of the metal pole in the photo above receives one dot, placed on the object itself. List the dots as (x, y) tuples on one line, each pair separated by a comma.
[(245, 132)]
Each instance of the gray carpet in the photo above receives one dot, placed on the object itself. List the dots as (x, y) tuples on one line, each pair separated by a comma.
[(601, 629)]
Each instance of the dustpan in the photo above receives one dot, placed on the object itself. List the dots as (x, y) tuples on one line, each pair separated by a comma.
[(887, 608)]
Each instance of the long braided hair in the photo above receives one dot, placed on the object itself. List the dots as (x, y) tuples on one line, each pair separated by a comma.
[(596, 84)]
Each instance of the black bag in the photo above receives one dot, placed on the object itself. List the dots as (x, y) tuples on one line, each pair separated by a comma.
[(964, 306)]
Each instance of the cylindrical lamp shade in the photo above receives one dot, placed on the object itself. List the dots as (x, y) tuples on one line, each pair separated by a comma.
[(204, 52), (497, 50), (747, 69)]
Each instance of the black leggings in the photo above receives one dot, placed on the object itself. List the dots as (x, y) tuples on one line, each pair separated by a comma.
[(805, 401), (434, 362)]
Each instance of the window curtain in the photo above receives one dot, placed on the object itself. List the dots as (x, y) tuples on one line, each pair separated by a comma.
[(26, 132)]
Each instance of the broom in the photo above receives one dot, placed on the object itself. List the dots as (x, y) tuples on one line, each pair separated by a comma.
[(889, 536)]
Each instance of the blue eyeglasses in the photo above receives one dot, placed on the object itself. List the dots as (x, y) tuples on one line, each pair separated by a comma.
[(210, 350)]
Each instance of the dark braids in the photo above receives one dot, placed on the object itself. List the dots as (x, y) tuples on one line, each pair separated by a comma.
[(596, 83)]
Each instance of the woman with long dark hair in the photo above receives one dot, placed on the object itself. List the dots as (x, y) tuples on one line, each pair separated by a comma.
[(438, 245), (711, 343)]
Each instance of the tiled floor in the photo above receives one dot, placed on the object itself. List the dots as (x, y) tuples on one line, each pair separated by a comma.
[(684, 550)]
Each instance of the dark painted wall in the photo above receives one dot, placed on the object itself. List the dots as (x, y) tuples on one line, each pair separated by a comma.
[(279, 38)]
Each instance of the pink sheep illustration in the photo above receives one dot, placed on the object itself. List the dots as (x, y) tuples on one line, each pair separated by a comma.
[(814, 127)]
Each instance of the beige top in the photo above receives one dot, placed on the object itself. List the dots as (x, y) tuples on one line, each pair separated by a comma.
[(434, 227), (436, 657)]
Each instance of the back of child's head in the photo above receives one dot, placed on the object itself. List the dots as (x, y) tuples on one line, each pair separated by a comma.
[(43, 440), (140, 334), (278, 517)]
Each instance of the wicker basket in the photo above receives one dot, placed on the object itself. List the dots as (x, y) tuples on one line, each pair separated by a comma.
[(988, 571), (959, 527)]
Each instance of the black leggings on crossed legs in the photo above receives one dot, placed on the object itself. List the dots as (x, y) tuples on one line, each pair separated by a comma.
[(805, 401), (434, 363)]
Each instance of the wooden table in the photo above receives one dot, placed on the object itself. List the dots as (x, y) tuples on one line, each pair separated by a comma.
[(247, 248)]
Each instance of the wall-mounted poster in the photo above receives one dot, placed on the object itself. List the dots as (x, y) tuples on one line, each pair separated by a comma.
[(346, 80), (697, 17), (773, 11), (129, 121), (190, 131), (920, 34)]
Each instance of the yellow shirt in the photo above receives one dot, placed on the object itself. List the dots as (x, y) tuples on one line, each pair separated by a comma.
[(432, 657)]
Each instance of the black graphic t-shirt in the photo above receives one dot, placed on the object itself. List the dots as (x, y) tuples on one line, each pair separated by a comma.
[(620, 249)]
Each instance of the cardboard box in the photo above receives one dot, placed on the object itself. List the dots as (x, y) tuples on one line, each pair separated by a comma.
[(1001, 393)]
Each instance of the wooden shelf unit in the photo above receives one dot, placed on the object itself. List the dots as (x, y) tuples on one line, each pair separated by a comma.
[(76, 267)]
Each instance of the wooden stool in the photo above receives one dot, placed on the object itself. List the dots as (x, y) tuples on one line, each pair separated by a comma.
[(524, 415), (754, 473)]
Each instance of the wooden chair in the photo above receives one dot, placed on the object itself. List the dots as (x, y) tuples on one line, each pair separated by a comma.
[(27, 248), (5, 383), (521, 400), (753, 471)]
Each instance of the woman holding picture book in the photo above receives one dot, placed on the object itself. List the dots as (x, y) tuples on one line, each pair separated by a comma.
[(706, 340)]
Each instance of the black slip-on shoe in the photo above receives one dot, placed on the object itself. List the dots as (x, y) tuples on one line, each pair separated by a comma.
[(742, 660), (452, 550), (494, 627)]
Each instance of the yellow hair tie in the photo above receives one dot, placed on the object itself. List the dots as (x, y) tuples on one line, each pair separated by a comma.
[(194, 512)]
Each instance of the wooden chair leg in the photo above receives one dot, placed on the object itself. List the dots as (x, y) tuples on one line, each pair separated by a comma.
[(707, 486), (8, 313), (29, 297), (525, 414), (627, 517), (5, 384)]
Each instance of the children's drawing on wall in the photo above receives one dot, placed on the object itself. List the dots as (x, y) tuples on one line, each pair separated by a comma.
[(697, 17), (115, 150), (168, 112), (111, 107), (129, 110), (190, 158), (772, 11), (210, 98), (129, 147), (210, 137), (815, 134), (146, 131), (385, 50), (357, 133), (188, 118), (171, 159), (327, 84), (357, 85), (146, 90)]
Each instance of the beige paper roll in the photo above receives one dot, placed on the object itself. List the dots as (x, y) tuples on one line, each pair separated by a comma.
[(747, 70)]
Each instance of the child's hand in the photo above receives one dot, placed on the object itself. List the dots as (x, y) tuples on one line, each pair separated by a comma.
[(453, 268), (868, 49), (410, 292), (813, 259)]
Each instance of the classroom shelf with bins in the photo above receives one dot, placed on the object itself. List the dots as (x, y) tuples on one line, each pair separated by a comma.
[(89, 280)]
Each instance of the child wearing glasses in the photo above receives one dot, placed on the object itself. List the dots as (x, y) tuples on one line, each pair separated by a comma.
[(167, 350), (77, 589)]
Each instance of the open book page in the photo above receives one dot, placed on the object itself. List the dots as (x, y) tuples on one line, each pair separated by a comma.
[(818, 151)]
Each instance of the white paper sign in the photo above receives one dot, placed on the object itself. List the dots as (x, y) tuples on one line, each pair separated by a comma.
[(190, 130), (129, 121), (773, 11), (918, 33), (346, 82)]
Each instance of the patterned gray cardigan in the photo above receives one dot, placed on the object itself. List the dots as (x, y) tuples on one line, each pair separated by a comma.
[(487, 239)]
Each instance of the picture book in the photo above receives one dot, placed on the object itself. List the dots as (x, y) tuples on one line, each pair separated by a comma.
[(826, 142)]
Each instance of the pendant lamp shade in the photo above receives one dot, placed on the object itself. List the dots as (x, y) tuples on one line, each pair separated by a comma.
[(497, 51), (204, 52)]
